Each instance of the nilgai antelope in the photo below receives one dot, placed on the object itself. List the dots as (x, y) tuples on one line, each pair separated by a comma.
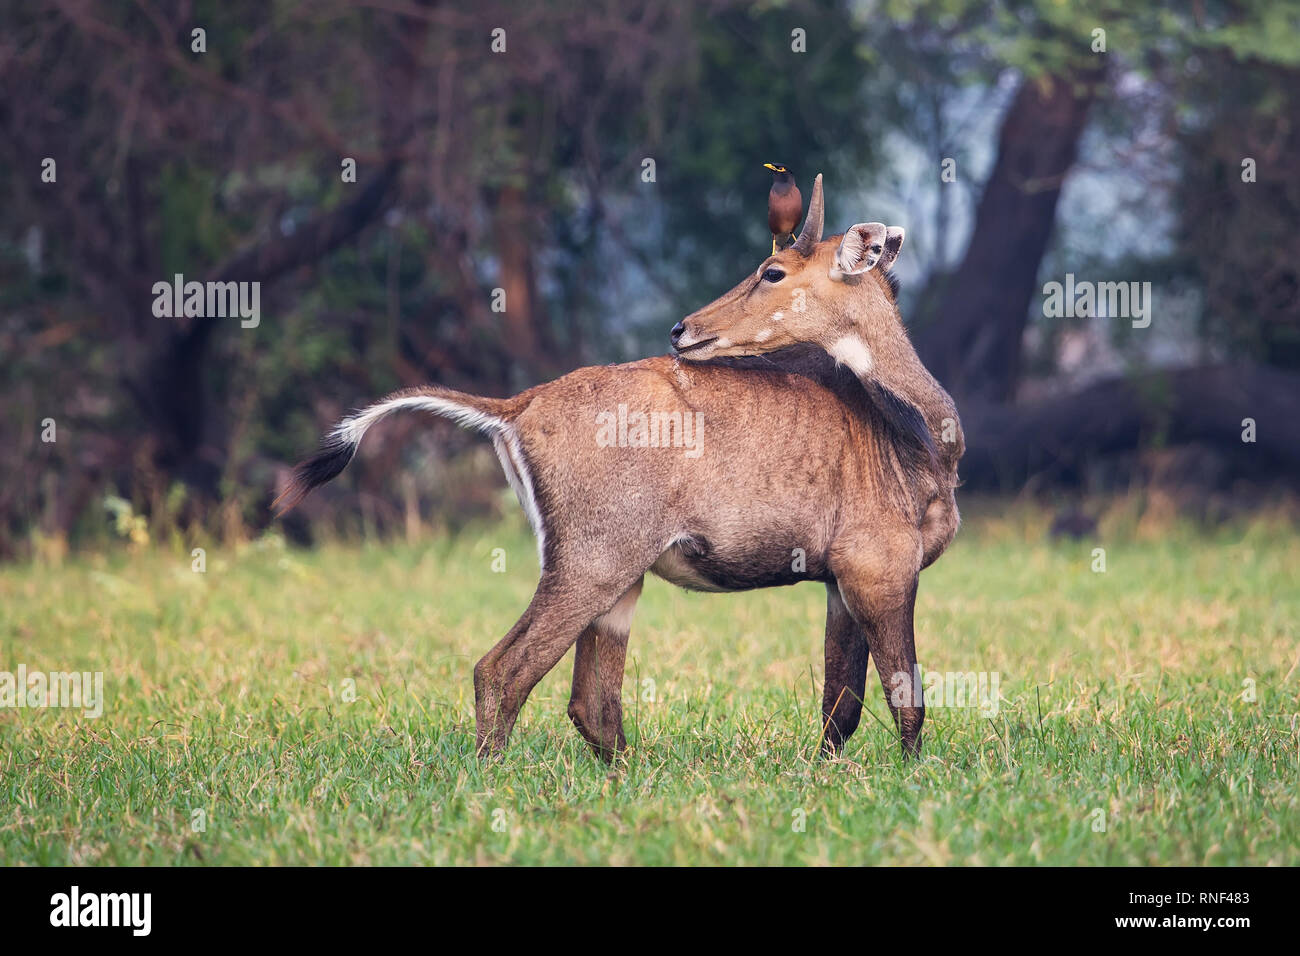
[(796, 436)]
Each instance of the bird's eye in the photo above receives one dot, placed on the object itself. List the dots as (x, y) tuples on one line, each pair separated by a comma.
[(773, 275)]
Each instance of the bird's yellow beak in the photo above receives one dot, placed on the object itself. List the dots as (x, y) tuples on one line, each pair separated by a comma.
[(770, 166)]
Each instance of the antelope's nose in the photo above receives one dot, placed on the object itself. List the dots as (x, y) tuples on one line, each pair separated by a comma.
[(678, 331)]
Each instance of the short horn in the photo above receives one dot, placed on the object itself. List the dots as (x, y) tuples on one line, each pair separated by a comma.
[(812, 226)]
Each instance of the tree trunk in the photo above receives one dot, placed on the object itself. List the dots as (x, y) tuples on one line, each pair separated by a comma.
[(516, 241), (973, 342)]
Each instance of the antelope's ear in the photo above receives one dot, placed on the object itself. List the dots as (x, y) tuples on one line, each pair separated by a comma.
[(893, 242), (861, 249)]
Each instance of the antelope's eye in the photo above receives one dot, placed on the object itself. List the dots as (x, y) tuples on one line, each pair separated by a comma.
[(773, 275)]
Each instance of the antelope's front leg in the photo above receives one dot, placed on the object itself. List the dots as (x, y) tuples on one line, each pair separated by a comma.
[(893, 647), (878, 587), (846, 673)]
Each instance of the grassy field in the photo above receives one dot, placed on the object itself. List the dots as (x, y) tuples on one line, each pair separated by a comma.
[(317, 707)]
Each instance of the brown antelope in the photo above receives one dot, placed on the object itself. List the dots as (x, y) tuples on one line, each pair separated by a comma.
[(833, 460)]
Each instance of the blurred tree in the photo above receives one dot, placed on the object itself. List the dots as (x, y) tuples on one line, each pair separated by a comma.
[(973, 342), (1238, 197), (972, 333), (484, 162), (515, 161)]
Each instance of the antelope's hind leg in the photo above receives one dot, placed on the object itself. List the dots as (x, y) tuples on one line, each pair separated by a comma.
[(561, 609), (596, 703)]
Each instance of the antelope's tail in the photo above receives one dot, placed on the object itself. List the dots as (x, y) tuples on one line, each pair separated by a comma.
[(490, 415)]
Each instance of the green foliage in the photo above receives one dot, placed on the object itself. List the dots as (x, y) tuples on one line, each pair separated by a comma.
[(752, 100), (126, 522), (191, 228)]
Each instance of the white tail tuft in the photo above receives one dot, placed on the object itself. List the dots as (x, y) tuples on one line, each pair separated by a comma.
[(352, 428)]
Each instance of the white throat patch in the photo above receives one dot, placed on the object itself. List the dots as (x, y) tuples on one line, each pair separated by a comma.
[(853, 352)]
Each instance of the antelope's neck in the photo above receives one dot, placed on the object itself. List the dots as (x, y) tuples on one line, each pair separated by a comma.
[(940, 413), (945, 427), (903, 374)]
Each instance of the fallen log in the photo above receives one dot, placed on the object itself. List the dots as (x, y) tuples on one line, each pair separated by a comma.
[(1248, 413)]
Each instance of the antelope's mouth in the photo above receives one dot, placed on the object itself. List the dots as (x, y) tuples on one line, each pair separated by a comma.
[(683, 349)]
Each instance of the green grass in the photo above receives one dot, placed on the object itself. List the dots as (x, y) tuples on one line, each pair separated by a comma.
[(1121, 694)]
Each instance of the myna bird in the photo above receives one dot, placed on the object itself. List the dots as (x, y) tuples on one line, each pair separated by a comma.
[(784, 205)]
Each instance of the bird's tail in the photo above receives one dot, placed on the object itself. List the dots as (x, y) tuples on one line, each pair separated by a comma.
[(491, 415)]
